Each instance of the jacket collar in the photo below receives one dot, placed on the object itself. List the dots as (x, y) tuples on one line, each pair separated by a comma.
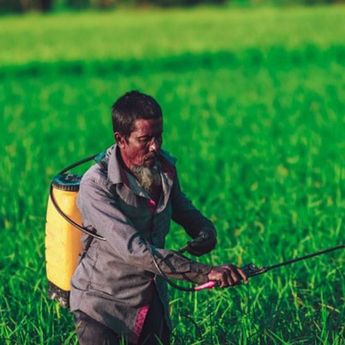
[(116, 173)]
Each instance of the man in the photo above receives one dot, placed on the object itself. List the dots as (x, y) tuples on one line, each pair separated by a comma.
[(129, 197)]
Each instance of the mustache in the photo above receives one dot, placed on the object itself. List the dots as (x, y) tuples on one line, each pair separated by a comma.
[(152, 156)]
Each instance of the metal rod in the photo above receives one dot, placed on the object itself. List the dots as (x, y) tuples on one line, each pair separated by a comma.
[(251, 270), (289, 262)]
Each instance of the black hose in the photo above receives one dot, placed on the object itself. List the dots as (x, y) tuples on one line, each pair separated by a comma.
[(71, 221), (63, 214)]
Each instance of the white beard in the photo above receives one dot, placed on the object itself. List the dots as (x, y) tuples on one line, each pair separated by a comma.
[(148, 177)]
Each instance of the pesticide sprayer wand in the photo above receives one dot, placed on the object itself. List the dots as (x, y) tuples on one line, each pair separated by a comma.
[(252, 270), (289, 262)]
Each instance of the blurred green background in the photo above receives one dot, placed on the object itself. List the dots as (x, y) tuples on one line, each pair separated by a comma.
[(253, 95), (57, 5)]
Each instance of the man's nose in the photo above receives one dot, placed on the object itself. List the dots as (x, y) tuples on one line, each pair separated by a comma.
[(154, 145)]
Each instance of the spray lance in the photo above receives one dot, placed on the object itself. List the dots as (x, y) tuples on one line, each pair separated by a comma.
[(251, 270)]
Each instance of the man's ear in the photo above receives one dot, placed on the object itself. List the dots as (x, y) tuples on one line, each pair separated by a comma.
[(120, 139)]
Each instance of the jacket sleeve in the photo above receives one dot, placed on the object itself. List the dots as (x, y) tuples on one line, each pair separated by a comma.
[(185, 214), (99, 210)]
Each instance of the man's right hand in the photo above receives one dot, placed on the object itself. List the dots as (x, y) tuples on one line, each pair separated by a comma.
[(227, 275)]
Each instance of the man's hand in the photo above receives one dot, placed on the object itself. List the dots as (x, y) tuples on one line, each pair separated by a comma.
[(203, 243), (227, 275)]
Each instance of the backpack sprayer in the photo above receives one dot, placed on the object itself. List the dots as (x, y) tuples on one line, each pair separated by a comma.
[(63, 240), (63, 233)]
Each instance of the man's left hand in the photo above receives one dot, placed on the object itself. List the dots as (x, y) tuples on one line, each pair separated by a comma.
[(203, 243)]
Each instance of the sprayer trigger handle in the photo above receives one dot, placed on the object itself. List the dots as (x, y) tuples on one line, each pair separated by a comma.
[(209, 285), (251, 270)]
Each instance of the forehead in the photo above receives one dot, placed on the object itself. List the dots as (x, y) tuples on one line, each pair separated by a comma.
[(147, 126)]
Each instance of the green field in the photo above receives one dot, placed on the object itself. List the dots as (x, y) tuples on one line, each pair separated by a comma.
[(254, 106)]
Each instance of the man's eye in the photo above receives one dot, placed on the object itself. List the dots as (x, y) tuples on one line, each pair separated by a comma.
[(144, 140)]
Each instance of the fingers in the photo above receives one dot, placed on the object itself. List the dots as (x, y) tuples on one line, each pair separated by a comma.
[(229, 275), (243, 276), (235, 275), (226, 278)]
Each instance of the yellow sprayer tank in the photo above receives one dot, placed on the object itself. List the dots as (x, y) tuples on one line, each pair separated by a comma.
[(63, 240)]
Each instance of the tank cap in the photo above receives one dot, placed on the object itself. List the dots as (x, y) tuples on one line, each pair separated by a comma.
[(69, 182)]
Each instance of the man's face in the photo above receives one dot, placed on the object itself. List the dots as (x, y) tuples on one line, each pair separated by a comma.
[(143, 144)]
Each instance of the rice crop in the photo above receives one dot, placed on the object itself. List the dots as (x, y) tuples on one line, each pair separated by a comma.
[(253, 103)]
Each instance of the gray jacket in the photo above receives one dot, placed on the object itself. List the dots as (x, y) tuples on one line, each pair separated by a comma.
[(115, 280)]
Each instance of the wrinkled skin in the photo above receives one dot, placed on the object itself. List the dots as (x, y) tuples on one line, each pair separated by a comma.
[(143, 144)]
